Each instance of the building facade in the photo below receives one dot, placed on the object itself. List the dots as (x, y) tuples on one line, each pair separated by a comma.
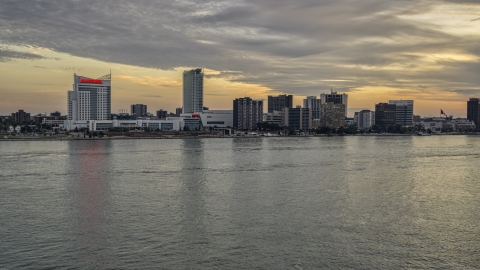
[(404, 112), (365, 120), (280, 102), (138, 109), (21, 116), (335, 98), (90, 99), (247, 113), (274, 118), (312, 103), (217, 118), (332, 115), (385, 115), (473, 111), (297, 118), (193, 91), (161, 114)]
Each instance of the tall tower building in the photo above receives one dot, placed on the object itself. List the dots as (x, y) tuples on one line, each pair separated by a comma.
[(90, 99), (247, 113), (473, 111), (193, 91), (279, 103), (138, 109), (404, 112), (312, 103), (335, 98)]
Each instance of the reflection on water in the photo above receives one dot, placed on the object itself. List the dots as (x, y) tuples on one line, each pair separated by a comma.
[(265, 203), (89, 168), (193, 190)]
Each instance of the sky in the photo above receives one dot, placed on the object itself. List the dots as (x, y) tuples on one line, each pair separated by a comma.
[(373, 50)]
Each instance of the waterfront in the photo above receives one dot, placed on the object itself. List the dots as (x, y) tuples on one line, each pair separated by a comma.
[(349, 202)]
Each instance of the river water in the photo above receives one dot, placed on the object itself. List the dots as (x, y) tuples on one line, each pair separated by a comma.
[(248, 203)]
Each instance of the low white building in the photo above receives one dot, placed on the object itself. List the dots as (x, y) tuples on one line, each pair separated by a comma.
[(175, 125), (218, 118)]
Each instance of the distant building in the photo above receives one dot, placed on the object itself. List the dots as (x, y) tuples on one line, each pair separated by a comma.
[(161, 114), (56, 114), (138, 109), (404, 112), (178, 112), (332, 115), (279, 102), (21, 116), (193, 91), (297, 118), (365, 119), (312, 103), (416, 119), (217, 118), (385, 115), (473, 111), (335, 98), (247, 113), (275, 117), (90, 99), (40, 118)]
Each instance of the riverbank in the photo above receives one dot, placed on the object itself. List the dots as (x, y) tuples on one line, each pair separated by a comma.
[(203, 136)]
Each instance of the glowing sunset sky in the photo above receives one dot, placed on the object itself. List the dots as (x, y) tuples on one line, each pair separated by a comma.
[(373, 50)]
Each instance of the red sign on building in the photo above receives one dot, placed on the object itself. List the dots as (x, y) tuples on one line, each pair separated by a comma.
[(95, 81)]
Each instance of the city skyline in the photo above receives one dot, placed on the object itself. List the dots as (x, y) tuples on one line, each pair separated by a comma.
[(373, 51)]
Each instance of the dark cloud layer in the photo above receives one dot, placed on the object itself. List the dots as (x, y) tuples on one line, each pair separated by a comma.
[(298, 47)]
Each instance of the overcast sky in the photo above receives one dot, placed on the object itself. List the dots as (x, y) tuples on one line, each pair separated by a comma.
[(374, 50)]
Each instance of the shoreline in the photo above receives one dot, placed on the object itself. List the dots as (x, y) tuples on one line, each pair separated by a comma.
[(212, 137)]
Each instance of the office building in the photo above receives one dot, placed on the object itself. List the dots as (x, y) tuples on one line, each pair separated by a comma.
[(280, 102), (335, 98), (312, 103), (274, 118), (385, 115), (404, 112), (297, 118), (178, 112), (193, 91), (90, 99), (247, 113), (473, 111), (365, 119), (21, 116), (161, 114), (332, 115), (138, 109)]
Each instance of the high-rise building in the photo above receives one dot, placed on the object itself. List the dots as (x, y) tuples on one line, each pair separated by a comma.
[(404, 112), (90, 99), (312, 103), (279, 103), (332, 115), (473, 111), (21, 116), (138, 109), (335, 98), (385, 115), (247, 113), (366, 119), (193, 91), (297, 118)]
